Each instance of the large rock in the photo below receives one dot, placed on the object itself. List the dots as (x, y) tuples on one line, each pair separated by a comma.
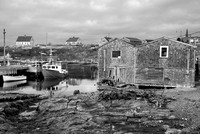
[(11, 111), (76, 92)]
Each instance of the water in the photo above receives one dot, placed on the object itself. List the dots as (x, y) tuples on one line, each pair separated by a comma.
[(81, 77)]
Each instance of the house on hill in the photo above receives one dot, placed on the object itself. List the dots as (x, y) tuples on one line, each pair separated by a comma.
[(74, 41), (162, 62), (24, 41)]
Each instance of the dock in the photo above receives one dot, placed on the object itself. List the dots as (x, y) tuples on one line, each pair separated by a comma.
[(12, 69)]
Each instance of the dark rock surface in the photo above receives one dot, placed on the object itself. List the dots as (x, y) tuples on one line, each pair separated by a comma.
[(116, 111)]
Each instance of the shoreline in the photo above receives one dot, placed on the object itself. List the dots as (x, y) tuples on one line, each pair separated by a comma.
[(126, 110)]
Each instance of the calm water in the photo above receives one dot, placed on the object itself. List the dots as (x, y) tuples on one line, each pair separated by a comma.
[(81, 77)]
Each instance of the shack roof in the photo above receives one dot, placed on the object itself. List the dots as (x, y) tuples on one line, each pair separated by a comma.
[(132, 43), (135, 44), (24, 38), (156, 40), (108, 38)]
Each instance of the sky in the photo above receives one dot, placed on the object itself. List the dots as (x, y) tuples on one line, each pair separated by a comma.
[(55, 21)]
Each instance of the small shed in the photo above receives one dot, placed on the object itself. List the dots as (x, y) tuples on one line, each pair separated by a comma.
[(162, 62), (116, 60)]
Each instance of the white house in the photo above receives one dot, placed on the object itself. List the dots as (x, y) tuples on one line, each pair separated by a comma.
[(25, 41), (74, 41)]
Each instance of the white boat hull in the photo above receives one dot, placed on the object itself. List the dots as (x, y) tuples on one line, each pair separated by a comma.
[(7, 78)]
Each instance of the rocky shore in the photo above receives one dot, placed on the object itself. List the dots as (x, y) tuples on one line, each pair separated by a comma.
[(12, 105), (110, 110)]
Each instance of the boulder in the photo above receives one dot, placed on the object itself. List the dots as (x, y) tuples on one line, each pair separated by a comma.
[(76, 92)]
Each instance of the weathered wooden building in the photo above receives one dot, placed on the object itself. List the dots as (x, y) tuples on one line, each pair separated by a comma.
[(157, 63), (117, 60)]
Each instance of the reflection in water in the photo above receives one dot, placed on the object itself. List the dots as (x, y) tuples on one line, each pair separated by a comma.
[(81, 78), (82, 71), (12, 85), (73, 81)]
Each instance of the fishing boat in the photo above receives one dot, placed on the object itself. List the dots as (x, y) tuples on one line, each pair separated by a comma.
[(11, 78), (35, 70), (53, 69), (35, 67)]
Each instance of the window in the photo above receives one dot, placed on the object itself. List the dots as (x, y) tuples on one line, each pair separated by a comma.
[(116, 54), (164, 51)]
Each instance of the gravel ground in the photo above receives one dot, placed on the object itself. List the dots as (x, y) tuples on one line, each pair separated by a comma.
[(186, 106)]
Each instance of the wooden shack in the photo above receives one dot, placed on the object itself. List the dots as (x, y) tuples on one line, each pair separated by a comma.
[(116, 60), (162, 62)]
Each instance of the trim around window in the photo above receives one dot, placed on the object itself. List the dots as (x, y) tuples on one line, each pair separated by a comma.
[(164, 51)]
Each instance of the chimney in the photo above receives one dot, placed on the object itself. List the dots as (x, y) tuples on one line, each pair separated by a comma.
[(186, 34)]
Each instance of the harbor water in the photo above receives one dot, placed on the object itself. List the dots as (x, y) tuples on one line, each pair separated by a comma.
[(81, 77)]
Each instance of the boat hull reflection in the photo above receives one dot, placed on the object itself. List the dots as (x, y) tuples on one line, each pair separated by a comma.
[(13, 85), (45, 84)]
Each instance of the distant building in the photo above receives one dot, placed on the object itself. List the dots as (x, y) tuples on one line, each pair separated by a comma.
[(105, 40), (25, 41), (195, 40), (190, 38), (74, 41)]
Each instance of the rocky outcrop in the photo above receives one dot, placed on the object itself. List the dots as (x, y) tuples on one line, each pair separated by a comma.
[(10, 97), (12, 106), (108, 111)]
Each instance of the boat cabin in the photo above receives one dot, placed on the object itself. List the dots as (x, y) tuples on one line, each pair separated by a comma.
[(51, 67)]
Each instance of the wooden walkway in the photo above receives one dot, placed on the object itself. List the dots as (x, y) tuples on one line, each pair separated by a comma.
[(12, 69)]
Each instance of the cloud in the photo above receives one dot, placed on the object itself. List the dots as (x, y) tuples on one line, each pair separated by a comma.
[(93, 19), (98, 6)]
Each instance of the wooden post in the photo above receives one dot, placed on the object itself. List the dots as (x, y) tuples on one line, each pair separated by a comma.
[(194, 55), (104, 60), (4, 47), (134, 66), (188, 61)]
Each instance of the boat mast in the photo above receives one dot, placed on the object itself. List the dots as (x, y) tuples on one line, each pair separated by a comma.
[(51, 54), (4, 47)]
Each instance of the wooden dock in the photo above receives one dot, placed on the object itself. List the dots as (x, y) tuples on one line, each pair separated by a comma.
[(12, 69)]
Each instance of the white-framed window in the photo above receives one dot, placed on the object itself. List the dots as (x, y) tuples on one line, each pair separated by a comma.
[(164, 51), (116, 54)]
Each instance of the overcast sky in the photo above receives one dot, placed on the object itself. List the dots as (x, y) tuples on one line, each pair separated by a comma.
[(93, 19)]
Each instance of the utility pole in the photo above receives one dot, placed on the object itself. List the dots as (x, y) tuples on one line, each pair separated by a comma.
[(4, 47), (46, 38)]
